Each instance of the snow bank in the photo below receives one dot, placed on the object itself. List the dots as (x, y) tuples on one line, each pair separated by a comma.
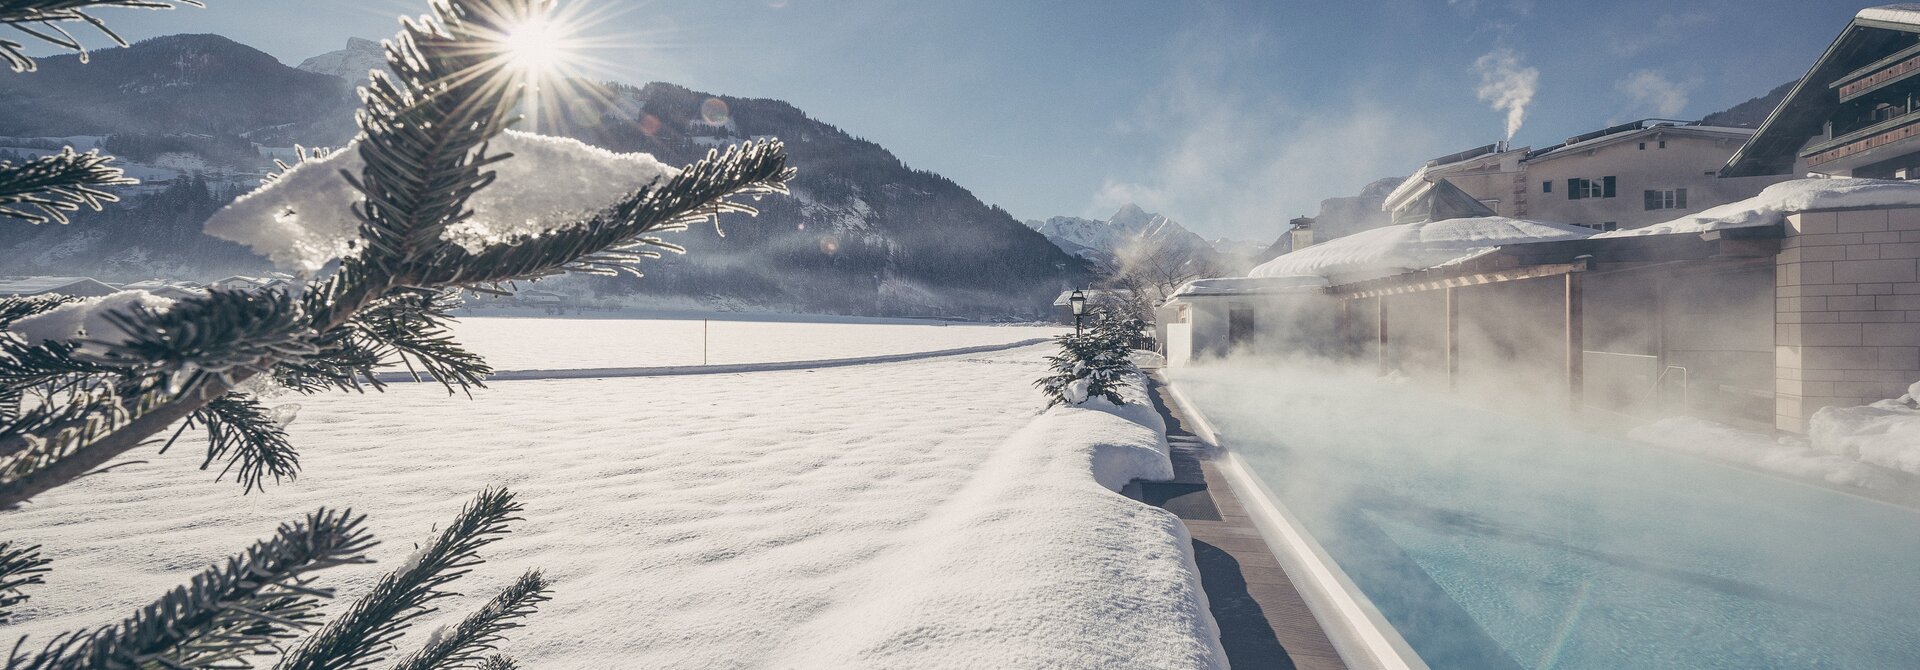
[(1407, 247), (1885, 433), (86, 318), (304, 219), (1026, 555), (1774, 203), (1786, 456)]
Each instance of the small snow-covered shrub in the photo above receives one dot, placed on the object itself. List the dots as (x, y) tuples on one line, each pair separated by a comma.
[(1094, 364)]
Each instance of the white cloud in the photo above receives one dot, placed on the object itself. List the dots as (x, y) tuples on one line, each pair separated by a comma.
[(1653, 91), (1238, 163), (1507, 85)]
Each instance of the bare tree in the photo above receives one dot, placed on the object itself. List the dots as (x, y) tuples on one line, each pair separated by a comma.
[(1155, 267)]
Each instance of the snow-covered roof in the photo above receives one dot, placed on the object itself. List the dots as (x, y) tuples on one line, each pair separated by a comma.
[(1223, 286), (1774, 203), (1903, 12), (1392, 250), (1417, 184), (1648, 127)]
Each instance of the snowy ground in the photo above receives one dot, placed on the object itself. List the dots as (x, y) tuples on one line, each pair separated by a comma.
[(528, 343), (901, 515)]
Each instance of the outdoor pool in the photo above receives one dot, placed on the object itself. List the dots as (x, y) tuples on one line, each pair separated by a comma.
[(1492, 542)]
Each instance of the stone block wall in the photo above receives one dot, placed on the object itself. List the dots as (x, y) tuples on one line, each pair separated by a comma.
[(1847, 312)]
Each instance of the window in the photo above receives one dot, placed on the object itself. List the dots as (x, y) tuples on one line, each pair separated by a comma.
[(1239, 325), (1610, 225), (1588, 188), (1643, 146), (1675, 198), (1546, 187), (1663, 144)]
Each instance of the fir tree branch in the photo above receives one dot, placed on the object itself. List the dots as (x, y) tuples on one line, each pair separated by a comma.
[(24, 366), (45, 189), (613, 239), (41, 19), (15, 308), (412, 327), (423, 148), (481, 630), (230, 611), (424, 137), (498, 662), (424, 145), (244, 433), (358, 637), (228, 333), (19, 567)]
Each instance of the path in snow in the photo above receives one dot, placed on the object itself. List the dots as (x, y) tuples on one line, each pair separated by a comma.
[(595, 373), (709, 521), (548, 344)]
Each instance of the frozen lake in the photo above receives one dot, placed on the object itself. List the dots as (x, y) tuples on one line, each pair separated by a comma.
[(1493, 542)]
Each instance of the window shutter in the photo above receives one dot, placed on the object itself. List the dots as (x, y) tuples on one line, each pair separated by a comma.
[(1606, 187), (1680, 198), (1653, 200), (1573, 189)]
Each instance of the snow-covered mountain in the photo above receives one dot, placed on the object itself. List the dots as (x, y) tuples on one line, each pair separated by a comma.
[(352, 63), (1101, 241), (863, 233)]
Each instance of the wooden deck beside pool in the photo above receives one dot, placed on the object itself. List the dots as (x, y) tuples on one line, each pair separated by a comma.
[(1264, 623)]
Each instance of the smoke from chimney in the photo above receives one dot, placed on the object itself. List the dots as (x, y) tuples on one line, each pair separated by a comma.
[(1507, 85)]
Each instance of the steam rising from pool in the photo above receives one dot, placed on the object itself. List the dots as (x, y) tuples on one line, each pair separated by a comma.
[(1495, 541)]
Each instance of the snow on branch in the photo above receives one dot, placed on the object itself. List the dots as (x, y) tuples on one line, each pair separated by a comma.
[(40, 20), (45, 189)]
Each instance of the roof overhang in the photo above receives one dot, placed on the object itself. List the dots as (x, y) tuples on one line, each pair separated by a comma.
[(1739, 246)]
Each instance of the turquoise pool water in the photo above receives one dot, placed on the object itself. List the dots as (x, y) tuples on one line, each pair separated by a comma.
[(1491, 542)]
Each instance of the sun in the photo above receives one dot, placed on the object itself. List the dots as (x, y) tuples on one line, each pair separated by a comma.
[(537, 46)]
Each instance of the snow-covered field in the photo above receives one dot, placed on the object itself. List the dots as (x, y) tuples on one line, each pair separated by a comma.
[(912, 514), (551, 344)]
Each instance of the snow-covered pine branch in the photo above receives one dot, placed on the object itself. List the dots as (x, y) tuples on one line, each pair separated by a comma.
[(424, 157), (45, 189), (41, 21)]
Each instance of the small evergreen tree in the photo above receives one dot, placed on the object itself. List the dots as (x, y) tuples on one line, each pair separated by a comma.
[(69, 407), (1092, 364)]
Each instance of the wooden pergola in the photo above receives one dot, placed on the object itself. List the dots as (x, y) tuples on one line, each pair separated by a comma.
[(1569, 260)]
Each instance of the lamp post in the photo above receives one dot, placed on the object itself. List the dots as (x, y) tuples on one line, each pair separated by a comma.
[(1078, 301)]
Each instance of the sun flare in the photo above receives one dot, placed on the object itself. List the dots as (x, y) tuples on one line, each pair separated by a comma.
[(538, 47)]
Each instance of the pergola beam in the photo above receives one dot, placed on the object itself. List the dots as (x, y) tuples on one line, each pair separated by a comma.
[(1400, 285)]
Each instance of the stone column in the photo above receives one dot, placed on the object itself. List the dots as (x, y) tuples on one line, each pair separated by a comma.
[(1847, 310)]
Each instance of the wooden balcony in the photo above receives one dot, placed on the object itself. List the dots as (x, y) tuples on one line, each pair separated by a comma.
[(1866, 139)]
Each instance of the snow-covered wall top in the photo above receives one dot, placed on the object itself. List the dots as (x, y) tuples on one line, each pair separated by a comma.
[(1774, 203), (1411, 246), (1249, 285), (303, 220)]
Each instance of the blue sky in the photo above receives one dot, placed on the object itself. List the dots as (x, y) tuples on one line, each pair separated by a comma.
[(1228, 116)]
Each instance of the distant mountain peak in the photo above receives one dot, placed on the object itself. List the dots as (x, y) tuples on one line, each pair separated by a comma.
[(1099, 241), (352, 63)]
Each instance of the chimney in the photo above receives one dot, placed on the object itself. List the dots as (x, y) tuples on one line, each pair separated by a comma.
[(1301, 236)]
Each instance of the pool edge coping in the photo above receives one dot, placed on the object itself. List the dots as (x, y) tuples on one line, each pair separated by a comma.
[(1356, 628)]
